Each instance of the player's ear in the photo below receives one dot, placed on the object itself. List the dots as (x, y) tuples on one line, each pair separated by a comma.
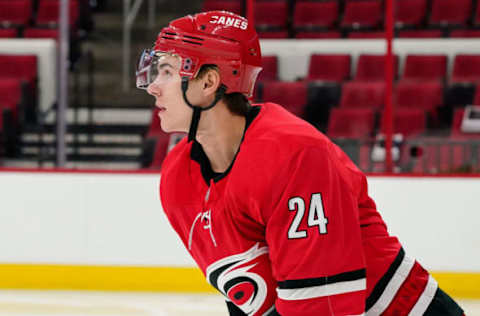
[(211, 82)]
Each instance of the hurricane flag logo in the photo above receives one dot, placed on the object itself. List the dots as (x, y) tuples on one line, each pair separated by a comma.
[(234, 278)]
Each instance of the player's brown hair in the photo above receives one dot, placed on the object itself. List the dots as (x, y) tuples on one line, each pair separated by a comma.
[(236, 102)]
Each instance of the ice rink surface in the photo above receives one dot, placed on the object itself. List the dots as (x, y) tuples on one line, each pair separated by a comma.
[(90, 303)]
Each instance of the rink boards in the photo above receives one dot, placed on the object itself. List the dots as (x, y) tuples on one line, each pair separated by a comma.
[(106, 231)]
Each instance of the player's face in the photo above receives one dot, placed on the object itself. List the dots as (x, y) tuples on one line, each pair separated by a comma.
[(175, 115)]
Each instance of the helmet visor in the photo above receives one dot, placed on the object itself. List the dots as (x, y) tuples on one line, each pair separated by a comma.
[(157, 66)]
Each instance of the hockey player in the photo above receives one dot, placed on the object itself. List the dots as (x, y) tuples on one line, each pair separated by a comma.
[(275, 215)]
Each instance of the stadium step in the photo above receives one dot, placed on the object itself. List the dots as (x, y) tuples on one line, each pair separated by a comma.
[(106, 115)]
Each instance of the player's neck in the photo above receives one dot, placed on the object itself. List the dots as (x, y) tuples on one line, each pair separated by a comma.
[(220, 134)]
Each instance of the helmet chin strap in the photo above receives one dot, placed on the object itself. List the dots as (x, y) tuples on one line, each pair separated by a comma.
[(197, 110)]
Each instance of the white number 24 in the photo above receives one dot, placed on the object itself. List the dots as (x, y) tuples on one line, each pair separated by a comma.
[(316, 216)]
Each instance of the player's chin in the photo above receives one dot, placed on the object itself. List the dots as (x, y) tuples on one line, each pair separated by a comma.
[(168, 127)]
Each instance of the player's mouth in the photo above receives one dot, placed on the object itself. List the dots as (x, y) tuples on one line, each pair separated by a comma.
[(161, 108)]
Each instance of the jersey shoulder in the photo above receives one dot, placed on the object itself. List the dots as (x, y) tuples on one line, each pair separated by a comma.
[(275, 129), (278, 139)]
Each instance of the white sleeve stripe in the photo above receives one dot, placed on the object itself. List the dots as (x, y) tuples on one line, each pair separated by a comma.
[(322, 290), (426, 298), (270, 311), (392, 287)]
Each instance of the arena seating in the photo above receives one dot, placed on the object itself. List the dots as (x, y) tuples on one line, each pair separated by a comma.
[(270, 69), (466, 69), (425, 67), (476, 98), (420, 34), (456, 131), (465, 33), (326, 67), (426, 95), (361, 94), (16, 13), (271, 18), (315, 15), (22, 67), (408, 122), (48, 10), (351, 123), (318, 34), (365, 35), (372, 67), (410, 13), (362, 14), (10, 100), (41, 33), (227, 5), (160, 150), (450, 12), (327, 19), (8, 33), (291, 95)]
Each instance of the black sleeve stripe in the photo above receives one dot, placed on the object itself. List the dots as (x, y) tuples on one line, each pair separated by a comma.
[(383, 282), (303, 283)]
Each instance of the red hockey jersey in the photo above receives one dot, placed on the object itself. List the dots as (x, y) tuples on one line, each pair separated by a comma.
[(289, 228)]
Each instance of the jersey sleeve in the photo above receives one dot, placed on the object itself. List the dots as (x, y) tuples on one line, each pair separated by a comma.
[(313, 235)]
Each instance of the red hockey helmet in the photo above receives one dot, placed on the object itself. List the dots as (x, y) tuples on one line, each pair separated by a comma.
[(221, 38)]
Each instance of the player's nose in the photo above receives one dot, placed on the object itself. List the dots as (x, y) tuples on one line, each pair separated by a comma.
[(153, 89)]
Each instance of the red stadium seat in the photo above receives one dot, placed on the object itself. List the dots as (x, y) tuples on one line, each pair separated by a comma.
[(18, 12), (409, 13), (234, 6), (48, 12), (271, 15), (418, 95), (270, 68), (312, 15), (154, 129), (351, 123), (465, 33), (366, 35), (456, 131), (22, 67), (272, 34), (476, 98), (450, 12), (10, 98), (41, 33), (420, 34), (291, 95), (363, 95), (318, 35), (466, 68), (372, 67), (362, 14), (476, 17), (408, 122), (8, 33), (162, 142), (425, 67), (329, 67)]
